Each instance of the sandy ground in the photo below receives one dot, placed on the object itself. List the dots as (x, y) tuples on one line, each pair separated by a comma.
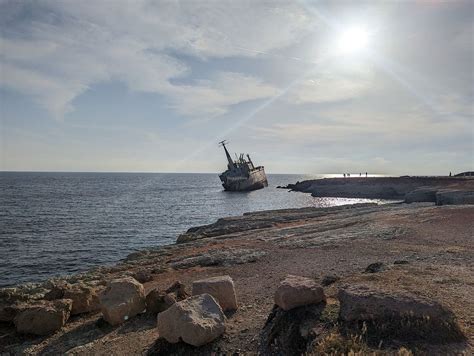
[(435, 241)]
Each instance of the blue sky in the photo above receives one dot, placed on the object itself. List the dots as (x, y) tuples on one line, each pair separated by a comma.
[(152, 86)]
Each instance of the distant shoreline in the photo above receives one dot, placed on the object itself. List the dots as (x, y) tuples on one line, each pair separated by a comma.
[(381, 187)]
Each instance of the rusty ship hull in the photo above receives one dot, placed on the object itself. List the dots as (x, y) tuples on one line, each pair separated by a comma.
[(257, 179), (241, 174)]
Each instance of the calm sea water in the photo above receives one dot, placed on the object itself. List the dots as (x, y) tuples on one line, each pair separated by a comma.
[(54, 224)]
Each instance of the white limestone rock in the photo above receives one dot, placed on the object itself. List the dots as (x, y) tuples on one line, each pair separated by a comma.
[(123, 299), (221, 288), (296, 291), (197, 321)]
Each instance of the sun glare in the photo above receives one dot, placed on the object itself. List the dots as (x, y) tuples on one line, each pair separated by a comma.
[(354, 39)]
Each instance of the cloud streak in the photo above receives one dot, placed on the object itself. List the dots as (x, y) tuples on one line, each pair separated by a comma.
[(68, 47)]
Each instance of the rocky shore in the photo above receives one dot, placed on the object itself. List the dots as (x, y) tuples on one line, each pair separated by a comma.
[(440, 190), (366, 278)]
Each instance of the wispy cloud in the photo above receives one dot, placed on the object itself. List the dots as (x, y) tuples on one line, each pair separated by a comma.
[(213, 97), (336, 81), (69, 46)]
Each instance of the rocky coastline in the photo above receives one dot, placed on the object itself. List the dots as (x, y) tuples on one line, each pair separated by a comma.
[(365, 278), (440, 190)]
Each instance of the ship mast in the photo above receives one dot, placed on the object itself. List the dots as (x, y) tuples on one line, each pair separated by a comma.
[(230, 165)]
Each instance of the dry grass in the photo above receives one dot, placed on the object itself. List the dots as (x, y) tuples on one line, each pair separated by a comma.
[(335, 344)]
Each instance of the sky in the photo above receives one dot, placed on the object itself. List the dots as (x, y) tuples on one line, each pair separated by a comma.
[(153, 86)]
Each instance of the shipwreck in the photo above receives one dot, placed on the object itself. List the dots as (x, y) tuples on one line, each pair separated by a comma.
[(241, 174)]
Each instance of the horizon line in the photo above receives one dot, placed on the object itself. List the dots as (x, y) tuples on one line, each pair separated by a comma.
[(217, 173)]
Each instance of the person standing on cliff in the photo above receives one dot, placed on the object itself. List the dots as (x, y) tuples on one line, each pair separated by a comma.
[(365, 174)]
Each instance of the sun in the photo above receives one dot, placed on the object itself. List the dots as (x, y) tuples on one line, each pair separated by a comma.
[(353, 39)]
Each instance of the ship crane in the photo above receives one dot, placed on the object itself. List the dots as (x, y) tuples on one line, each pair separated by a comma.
[(230, 163)]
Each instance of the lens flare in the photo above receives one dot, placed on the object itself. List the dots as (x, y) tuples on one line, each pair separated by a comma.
[(354, 39)]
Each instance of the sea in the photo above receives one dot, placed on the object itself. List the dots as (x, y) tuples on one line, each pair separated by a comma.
[(56, 224)]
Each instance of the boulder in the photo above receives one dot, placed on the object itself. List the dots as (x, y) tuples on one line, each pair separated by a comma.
[(143, 276), (11, 302), (157, 302), (57, 291), (179, 290), (424, 194), (329, 279), (44, 318), (454, 197), (85, 299), (197, 321), (296, 291), (400, 262), (123, 299), (359, 303), (397, 316), (221, 288), (375, 267), (8, 313)]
